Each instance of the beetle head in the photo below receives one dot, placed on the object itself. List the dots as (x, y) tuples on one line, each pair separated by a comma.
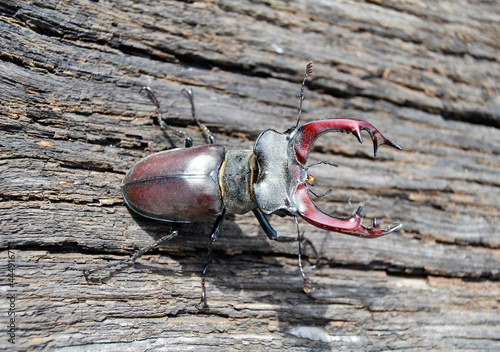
[(281, 184)]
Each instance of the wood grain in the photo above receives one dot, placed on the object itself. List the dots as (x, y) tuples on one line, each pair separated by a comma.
[(72, 121)]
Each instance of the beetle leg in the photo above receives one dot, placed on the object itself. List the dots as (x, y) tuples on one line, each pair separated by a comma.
[(204, 129), (350, 226), (188, 141), (273, 235), (268, 229), (307, 134), (133, 258), (213, 237), (316, 254), (305, 280)]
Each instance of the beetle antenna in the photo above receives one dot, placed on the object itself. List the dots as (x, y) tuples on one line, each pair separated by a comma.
[(309, 70), (188, 141), (204, 129), (134, 257)]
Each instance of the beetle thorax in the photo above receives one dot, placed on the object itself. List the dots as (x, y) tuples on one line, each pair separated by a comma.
[(237, 174), (279, 173)]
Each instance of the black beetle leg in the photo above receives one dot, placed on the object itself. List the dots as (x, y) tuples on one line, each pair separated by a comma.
[(134, 257), (188, 141), (268, 229), (213, 237), (204, 129), (307, 241), (305, 281), (273, 235)]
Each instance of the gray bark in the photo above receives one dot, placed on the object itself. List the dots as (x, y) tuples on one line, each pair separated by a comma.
[(72, 121)]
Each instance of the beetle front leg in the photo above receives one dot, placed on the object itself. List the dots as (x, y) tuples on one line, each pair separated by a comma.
[(273, 235), (268, 229), (305, 280), (213, 237)]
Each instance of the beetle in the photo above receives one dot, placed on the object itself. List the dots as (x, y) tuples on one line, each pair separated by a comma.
[(193, 184)]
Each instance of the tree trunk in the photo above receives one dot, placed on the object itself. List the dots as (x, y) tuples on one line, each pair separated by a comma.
[(72, 122)]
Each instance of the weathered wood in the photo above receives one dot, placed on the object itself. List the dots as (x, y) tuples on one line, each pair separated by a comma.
[(72, 122)]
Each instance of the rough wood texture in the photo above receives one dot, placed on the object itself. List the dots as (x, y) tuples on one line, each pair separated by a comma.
[(72, 122)]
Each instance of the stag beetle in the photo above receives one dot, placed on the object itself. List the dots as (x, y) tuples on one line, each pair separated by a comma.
[(194, 184)]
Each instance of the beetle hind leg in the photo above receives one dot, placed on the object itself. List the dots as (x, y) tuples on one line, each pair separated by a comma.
[(188, 141), (134, 257), (204, 129)]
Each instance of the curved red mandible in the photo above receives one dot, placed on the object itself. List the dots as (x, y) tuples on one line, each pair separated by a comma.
[(349, 226), (307, 134), (302, 144)]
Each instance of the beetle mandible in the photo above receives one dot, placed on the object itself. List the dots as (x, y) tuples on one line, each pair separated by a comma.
[(192, 184)]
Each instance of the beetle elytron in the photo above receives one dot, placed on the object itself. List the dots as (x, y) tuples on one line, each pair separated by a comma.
[(200, 183)]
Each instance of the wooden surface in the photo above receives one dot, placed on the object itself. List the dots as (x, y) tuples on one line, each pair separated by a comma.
[(72, 121)]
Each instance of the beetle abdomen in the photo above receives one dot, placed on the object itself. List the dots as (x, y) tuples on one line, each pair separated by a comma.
[(178, 185)]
